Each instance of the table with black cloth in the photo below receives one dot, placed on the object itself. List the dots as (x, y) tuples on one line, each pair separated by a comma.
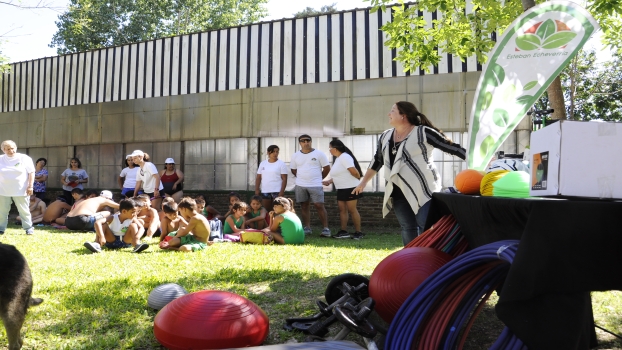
[(568, 247)]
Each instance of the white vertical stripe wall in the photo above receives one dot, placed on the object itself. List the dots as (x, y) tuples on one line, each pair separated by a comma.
[(342, 46), (287, 52)]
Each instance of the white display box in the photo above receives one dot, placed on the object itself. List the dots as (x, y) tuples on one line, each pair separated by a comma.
[(575, 158)]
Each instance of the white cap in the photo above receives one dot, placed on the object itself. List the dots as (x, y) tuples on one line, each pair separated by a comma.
[(106, 194), (137, 153), (128, 156), (169, 161)]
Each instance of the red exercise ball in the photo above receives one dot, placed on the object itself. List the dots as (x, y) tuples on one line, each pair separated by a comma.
[(210, 319), (399, 274), (468, 181)]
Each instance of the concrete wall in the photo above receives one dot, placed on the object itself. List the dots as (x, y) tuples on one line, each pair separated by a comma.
[(218, 138)]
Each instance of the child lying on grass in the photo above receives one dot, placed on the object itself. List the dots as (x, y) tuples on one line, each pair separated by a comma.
[(191, 237)]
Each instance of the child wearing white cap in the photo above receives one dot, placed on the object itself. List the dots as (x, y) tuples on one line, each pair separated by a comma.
[(172, 180)]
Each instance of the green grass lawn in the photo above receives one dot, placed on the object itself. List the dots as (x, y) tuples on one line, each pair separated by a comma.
[(99, 301)]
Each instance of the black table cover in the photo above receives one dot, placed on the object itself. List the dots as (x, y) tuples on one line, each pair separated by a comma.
[(567, 248)]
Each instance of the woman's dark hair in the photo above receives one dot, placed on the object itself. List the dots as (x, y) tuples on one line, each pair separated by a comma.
[(235, 194), (271, 148), (42, 159), (339, 146), (77, 160), (127, 165), (415, 117)]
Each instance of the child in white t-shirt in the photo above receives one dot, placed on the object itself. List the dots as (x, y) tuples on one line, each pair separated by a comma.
[(121, 230)]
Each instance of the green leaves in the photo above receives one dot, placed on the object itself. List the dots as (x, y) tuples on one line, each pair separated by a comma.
[(530, 85), (92, 24), (487, 100), (500, 117), (524, 100), (558, 40), (545, 37), (487, 144), (528, 42), (546, 29)]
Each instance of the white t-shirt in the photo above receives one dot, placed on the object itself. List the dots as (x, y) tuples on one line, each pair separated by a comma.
[(130, 176), (74, 175), (341, 175), (14, 174), (117, 227), (309, 168), (146, 176), (271, 180)]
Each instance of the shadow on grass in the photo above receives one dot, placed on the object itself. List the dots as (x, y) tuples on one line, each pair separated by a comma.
[(371, 241), (115, 308)]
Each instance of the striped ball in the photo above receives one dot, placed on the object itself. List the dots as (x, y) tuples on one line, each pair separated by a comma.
[(164, 294)]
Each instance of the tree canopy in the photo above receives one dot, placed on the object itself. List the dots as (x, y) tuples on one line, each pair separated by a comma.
[(466, 33), (593, 90), (91, 24), (310, 11)]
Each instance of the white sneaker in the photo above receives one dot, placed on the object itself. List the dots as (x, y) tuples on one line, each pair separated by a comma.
[(325, 232), (140, 247), (307, 230), (94, 247)]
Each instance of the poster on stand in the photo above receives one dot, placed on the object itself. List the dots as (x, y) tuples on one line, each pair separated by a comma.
[(532, 51)]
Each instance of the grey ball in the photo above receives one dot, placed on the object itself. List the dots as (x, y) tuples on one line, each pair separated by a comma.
[(164, 294)]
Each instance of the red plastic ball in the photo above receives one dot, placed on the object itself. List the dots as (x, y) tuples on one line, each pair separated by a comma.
[(468, 181), (210, 319), (399, 274)]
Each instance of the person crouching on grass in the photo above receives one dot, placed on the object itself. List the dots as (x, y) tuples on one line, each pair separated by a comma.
[(192, 237), (121, 230), (285, 227), (148, 216), (171, 221)]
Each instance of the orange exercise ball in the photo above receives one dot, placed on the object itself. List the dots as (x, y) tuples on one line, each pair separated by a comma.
[(468, 181)]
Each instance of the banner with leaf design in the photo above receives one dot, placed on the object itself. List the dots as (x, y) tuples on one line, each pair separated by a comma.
[(532, 51)]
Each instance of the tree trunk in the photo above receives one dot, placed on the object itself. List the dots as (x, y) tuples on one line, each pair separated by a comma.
[(556, 95)]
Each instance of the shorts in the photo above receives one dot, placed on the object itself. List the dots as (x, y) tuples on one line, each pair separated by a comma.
[(157, 232), (118, 243), (80, 222), (129, 192), (151, 194), (270, 195), (346, 195), (190, 240), (304, 193)]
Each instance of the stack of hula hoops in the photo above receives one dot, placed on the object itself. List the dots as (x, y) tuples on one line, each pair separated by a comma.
[(440, 313)]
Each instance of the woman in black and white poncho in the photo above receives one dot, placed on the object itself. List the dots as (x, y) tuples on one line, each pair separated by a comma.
[(406, 152)]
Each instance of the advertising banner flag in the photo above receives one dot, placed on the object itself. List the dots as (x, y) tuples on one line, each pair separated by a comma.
[(532, 51)]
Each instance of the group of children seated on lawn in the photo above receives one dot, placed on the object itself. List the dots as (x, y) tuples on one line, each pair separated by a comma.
[(281, 225), (186, 226)]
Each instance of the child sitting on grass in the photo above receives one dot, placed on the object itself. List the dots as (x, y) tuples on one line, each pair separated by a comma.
[(191, 237), (234, 197), (121, 230), (285, 227), (234, 223), (148, 217), (208, 211), (172, 221), (256, 214)]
